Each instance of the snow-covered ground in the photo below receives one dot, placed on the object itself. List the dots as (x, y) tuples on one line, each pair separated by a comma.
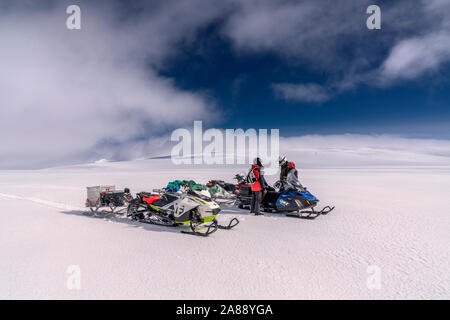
[(396, 219)]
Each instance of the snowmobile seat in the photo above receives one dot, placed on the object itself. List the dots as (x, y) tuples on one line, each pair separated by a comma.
[(150, 198), (271, 196), (245, 190), (164, 199)]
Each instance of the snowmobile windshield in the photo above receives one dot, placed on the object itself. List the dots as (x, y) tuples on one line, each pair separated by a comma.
[(292, 182), (199, 195)]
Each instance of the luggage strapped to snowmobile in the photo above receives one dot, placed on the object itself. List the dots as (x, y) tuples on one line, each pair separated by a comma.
[(107, 197)]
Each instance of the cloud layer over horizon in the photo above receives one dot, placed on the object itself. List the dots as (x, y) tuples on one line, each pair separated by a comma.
[(331, 151)]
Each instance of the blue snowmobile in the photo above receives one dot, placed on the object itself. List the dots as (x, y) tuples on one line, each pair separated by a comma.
[(297, 203)]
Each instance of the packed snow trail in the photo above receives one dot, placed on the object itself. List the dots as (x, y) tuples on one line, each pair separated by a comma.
[(394, 219), (51, 204)]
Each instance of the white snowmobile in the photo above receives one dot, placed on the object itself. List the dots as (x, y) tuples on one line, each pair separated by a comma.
[(179, 208)]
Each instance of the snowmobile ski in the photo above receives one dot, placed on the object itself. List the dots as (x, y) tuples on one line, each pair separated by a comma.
[(211, 228), (233, 223), (310, 214)]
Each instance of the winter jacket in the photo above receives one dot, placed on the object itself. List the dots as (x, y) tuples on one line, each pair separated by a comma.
[(259, 184), (284, 171)]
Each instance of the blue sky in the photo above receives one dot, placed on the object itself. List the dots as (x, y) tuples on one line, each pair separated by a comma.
[(242, 85), (137, 70)]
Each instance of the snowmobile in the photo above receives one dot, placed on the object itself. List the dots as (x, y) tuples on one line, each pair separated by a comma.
[(300, 201), (229, 187), (222, 192), (180, 208), (243, 192), (212, 189)]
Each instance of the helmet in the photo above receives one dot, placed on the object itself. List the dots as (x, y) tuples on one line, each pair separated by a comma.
[(257, 161), (291, 164), (282, 160)]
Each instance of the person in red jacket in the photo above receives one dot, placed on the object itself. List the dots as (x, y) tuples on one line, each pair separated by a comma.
[(257, 184)]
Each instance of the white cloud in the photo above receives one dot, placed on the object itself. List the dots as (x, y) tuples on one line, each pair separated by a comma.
[(307, 30), (412, 57), (326, 37), (66, 93)]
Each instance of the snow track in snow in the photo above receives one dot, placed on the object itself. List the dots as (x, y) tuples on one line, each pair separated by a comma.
[(47, 203)]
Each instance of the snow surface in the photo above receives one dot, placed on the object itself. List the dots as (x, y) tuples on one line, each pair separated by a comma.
[(396, 218)]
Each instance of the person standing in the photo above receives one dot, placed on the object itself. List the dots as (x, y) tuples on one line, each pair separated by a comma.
[(257, 184), (292, 182), (283, 169)]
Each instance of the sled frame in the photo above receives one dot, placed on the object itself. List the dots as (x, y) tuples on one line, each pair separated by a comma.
[(233, 223), (95, 210), (310, 214), (211, 228)]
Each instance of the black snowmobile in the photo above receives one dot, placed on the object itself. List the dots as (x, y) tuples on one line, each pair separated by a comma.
[(229, 187), (173, 209), (243, 192)]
